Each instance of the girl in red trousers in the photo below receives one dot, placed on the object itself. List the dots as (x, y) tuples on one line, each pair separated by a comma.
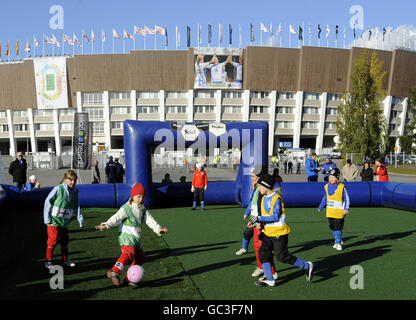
[(130, 218), (381, 171), (60, 204)]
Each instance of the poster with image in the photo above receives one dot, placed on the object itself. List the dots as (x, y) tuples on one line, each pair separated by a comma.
[(218, 68)]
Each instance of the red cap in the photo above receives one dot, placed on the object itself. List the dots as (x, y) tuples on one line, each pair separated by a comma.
[(137, 189)]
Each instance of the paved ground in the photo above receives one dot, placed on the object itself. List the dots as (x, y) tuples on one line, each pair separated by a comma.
[(53, 177)]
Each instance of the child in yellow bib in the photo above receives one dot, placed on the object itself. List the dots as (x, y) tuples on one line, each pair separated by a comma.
[(337, 205), (275, 232)]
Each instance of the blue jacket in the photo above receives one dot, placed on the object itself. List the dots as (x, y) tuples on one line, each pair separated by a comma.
[(328, 167), (311, 166)]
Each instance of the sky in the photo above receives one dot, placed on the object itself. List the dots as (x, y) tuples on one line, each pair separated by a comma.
[(22, 19)]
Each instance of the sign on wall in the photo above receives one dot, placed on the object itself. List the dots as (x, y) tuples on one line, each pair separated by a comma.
[(51, 82)]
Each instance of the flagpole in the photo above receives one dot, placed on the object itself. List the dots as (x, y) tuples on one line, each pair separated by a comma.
[(155, 37), (53, 49), (113, 43), (102, 41), (63, 45), (124, 45), (43, 45), (290, 42), (303, 32), (134, 38), (144, 41), (82, 42)]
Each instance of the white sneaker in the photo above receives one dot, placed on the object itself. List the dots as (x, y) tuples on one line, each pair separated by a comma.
[(338, 247), (241, 251), (265, 283), (48, 264), (275, 277), (69, 263), (335, 245), (257, 272)]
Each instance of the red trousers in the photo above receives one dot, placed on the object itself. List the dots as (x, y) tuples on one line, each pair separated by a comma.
[(257, 245), (131, 255), (57, 235)]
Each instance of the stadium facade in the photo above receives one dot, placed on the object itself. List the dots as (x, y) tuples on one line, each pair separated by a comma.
[(297, 91)]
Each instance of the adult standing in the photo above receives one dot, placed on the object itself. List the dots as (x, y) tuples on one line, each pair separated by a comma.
[(327, 167), (95, 173), (290, 167), (119, 171), (350, 171), (111, 171), (312, 168), (18, 169), (285, 165), (367, 173), (381, 171)]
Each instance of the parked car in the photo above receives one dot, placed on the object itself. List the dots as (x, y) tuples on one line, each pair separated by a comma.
[(335, 154)]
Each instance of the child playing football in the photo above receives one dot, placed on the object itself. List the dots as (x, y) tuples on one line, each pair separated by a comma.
[(60, 204), (130, 218), (337, 205)]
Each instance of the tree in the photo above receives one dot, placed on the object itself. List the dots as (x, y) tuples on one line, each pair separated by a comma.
[(408, 140), (361, 125)]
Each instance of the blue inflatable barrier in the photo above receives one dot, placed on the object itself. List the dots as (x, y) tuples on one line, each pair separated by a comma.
[(295, 194)]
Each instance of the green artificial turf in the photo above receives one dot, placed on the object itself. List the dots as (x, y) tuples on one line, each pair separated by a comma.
[(196, 259)]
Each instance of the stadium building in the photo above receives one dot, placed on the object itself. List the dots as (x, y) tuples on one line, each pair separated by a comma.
[(297, 91)]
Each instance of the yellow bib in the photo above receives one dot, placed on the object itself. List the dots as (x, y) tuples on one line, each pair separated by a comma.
[(278, 228), (335, 203)]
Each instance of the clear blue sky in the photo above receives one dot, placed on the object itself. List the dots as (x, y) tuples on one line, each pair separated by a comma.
[(21, 19)]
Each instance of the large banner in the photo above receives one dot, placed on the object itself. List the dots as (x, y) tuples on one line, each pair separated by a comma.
[(82, 145), (51, 82), (218, 68)]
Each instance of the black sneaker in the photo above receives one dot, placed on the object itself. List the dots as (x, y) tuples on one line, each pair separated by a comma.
[(265, 283), (193, 208), (309, 272)]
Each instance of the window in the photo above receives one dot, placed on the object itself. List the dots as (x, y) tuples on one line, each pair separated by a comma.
[(176, 94), (67, 112), (19, 113), (259, 109), (284, 110), (330, 125), (66, 126), (284, 125), (95, 113), (393, 127), (334, 97), (98, 127), (44, 126), (120, 110), (231, 109), (117, 125), (285, 95), (310, 110), (147, 94), (331, 111), (92, 97), (119, 95), (3, 114), (204, 109), (4, 128), (21, 127), (232, 94), (44, 113), (393, 114), (204, 94), (309, 125), (152, 109), (395, 100), (311, 96), (179, 109), (260, 94)]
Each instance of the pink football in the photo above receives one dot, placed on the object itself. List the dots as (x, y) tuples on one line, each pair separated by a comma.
[(135, 273)]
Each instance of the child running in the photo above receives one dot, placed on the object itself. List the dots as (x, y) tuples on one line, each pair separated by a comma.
[(130, 218), (199, 185), (275, 233), (60, 204), (251, 231), (337, 206)]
